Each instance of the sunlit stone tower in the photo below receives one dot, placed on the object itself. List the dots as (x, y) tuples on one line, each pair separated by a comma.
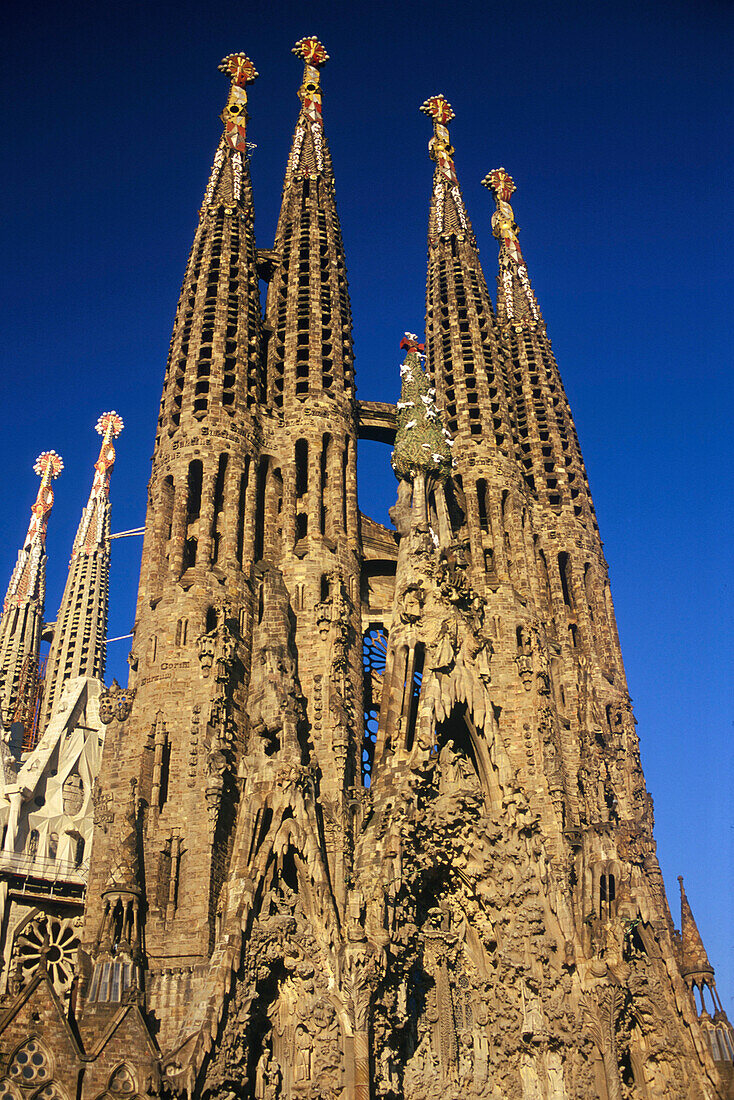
[(370, 820), (79, 641), (22, 618)]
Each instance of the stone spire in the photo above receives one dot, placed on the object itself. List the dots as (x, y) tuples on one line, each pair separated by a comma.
[(79, 642), (213, 359), (310, 494), (308, 315), (464, 356), (23, 610), (694, 960), (516, 302), (190, 650)]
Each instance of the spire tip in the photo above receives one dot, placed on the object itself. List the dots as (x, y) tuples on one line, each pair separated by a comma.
[(439, 109), (112, 421), (239, 68), (501, 182), (48, 464), (311, 51)]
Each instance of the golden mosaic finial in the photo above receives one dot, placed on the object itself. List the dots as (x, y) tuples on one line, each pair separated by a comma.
[(439, 109), (48, 466), (311, 51), (241, 72), (501, 183), (239, 67)]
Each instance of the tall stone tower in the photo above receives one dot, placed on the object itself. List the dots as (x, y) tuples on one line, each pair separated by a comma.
[(22, 618), (79, 643), (370, 820)]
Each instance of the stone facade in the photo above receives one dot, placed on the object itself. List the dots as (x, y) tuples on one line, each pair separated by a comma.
[(370, 819)]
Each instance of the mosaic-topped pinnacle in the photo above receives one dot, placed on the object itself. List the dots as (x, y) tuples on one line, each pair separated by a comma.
[(241, 72), (109, 422), (439, 109), (501, 183), (239, 68), (48, 465), (311, 51)]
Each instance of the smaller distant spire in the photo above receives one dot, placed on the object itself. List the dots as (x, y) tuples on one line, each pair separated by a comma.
[(694, 957), (517, 304), (422, 444), (79, 640), (24, 583), (91, 535), (448, 213), (22, 617)]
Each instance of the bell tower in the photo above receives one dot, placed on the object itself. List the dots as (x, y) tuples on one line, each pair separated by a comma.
[(23, 609)]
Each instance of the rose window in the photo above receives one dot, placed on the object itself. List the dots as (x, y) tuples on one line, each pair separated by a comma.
[(30, 1065), (8, 1091), (52, 937)]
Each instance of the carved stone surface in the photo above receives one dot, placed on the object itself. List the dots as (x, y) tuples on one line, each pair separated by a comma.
[(418, 867)]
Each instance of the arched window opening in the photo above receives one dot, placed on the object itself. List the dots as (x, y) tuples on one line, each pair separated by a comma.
[(301, 526), (482, 502), (345, 469), (412, 689), (153, 648), (32, 845), (324, 587), (189, 555), (217, 517), (241, 507), (52, 846), (262, 477), (374, 659), (564, 568), (211, 620), (324, 476), (301, 467), (193, 504), (589, 589), (182, 628)]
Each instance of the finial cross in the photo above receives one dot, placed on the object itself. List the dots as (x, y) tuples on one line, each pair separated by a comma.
[(239, 68), (439, 109), (311, 51), (501, 182)]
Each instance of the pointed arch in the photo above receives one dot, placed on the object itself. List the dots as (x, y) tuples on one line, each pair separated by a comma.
[(31, 1064), (123, 1081), (8, 1090), (52, 1091)]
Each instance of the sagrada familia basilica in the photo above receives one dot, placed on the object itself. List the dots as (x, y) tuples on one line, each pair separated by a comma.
[(368, 820)]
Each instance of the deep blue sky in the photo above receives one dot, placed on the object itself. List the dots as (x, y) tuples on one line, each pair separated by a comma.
[(614, 119)]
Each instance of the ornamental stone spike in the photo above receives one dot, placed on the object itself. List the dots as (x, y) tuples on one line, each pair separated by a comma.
[(234, 116), (24, 607), (79, 643)]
